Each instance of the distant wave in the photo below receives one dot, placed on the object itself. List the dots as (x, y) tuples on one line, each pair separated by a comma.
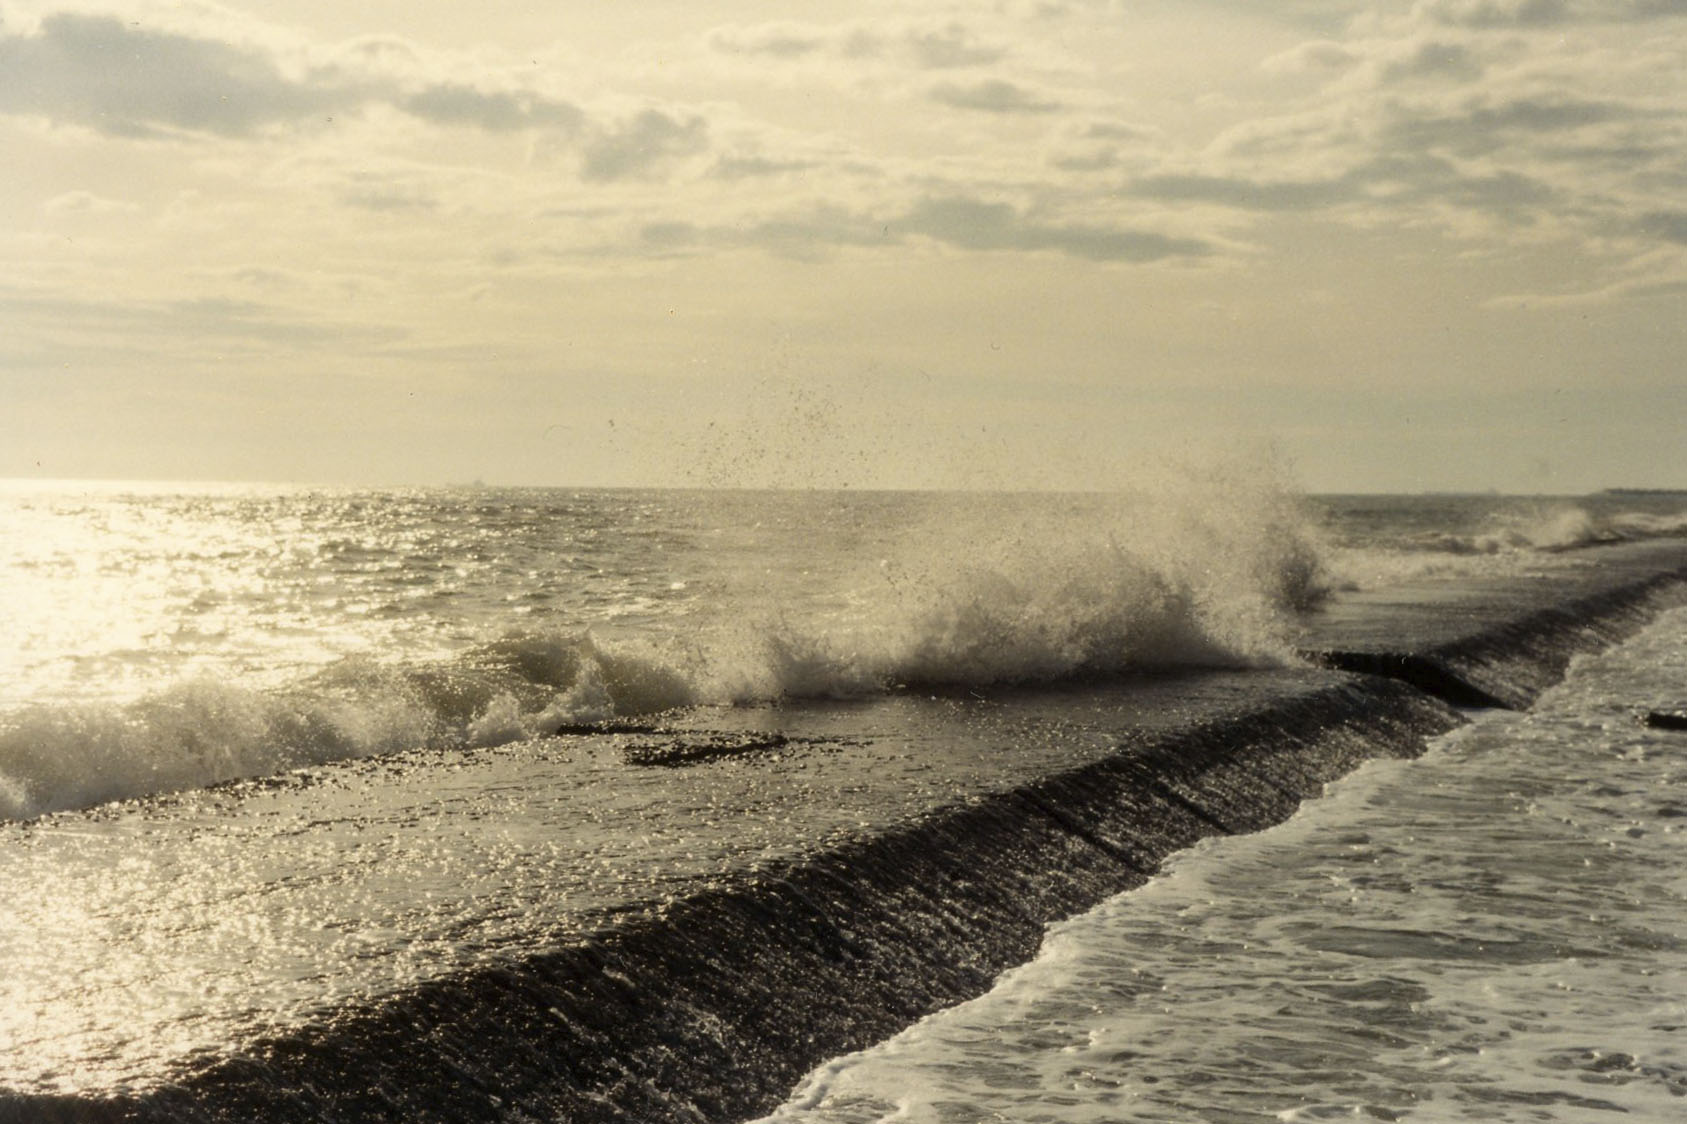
[(1209, 576), (1509, 539), (1565, 526)]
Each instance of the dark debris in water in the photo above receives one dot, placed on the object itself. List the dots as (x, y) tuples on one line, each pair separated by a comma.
[(694, 747), (667, 747), (583, 729), (1665, 720)]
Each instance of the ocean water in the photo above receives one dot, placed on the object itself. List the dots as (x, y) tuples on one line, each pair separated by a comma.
[(1488, 935), (162, 637), (1494, 932)]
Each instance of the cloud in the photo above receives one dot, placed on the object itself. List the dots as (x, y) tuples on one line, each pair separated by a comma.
[(87, 203), (779, 40), (642, 146), (1415, 116), (122, 80), (1432, 117), (960, 222), (1498, 13), (494, 111), (1484, 128), (670, 235), (1099, 160), (1433, 59), (923, 45), (205, 321), (1507, 194), (971, 224), (802, 235), (1248, 194), (98, 72), (1387, 182), (1670, 226), (950, 46), (991, 95), (805, 235), (1318, 56), (1525, 14), (1671, 282), (375, 194), (757, 167)]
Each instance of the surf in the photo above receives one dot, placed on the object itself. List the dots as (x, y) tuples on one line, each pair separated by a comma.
[(779, 598)]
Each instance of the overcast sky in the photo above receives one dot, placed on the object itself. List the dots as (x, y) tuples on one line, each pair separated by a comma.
[(1439, 245)]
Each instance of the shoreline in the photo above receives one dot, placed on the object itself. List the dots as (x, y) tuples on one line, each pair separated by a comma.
[(708, 989)]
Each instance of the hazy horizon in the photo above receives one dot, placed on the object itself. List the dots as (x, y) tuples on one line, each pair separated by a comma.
[(33, 483), (1435, 247)]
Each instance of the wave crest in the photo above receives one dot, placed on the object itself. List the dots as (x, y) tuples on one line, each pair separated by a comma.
[(1208, 571)]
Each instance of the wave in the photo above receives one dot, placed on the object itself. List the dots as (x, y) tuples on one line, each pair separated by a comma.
[(203, 732), (1511, 540), (1563, 526), (1079, 586)]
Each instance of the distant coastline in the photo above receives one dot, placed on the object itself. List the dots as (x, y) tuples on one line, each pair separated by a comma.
[(1644, 492)]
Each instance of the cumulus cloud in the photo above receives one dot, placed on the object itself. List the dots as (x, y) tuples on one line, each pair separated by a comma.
[(1454, 109), (98, 72), (1559, 123), (116, 78)]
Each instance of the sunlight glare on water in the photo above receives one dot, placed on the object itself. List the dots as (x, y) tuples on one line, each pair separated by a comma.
[(115, 588)]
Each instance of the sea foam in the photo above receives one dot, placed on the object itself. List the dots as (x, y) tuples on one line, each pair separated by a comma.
[(1206, 570)]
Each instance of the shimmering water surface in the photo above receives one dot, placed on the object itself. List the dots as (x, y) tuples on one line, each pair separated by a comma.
[(1494, 932)]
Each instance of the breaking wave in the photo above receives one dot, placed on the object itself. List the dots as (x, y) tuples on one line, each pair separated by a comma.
[(1516, 538), (203, 732), (1208, 572)]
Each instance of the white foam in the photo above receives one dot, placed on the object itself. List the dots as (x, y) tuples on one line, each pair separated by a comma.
[(1487, 933), (1205, 569)]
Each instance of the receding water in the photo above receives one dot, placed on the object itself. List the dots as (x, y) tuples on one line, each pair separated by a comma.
[(1494, 932)]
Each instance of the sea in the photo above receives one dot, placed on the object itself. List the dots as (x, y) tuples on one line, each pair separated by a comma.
[(1496, 931)]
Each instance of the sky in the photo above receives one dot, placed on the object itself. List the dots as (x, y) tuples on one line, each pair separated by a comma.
[(1030, 243)]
